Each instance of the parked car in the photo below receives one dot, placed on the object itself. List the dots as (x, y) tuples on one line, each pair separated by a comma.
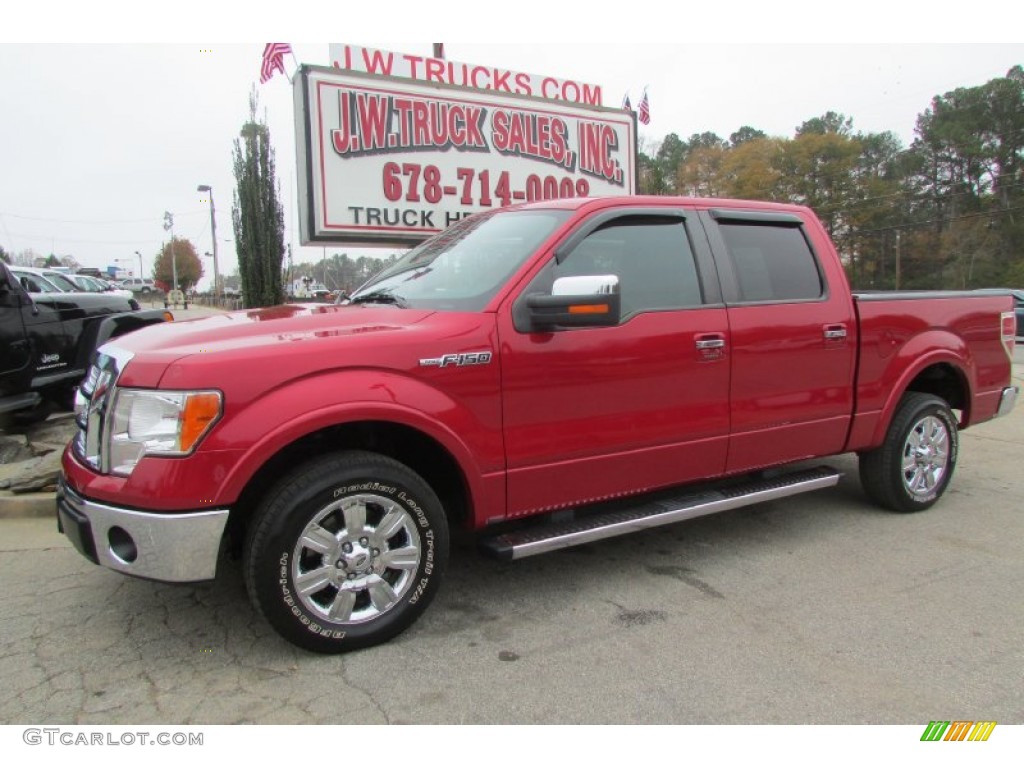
[(138, 285), (542, 376), (1018, 310), (34, 281), (47, 337), (95, 285)]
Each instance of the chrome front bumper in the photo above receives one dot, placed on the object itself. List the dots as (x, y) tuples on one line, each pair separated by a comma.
[(163, 547)]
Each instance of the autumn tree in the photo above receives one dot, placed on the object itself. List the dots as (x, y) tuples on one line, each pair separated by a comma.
[(187, 262), (257, 214), (750, 170)]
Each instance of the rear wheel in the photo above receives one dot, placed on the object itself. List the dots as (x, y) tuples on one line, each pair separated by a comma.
[(346, 552), (910, 471)]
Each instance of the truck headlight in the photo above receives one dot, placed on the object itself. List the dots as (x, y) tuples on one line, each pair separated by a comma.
[(150, 422)]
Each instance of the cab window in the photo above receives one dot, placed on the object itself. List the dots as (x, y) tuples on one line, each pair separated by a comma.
[(651, 256)]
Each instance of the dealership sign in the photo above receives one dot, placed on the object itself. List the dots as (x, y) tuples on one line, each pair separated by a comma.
[(391, 160), (445, 72)]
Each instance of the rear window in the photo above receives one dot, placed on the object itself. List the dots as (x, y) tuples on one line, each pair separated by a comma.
[(772, 262)]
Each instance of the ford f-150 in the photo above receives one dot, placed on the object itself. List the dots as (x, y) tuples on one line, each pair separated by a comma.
[(541, 375)]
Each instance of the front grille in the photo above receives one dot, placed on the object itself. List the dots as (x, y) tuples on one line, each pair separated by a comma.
[(93, 406)]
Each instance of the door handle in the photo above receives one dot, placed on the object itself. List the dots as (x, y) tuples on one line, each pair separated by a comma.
[(710, 346), (710, 343), (834, 332)]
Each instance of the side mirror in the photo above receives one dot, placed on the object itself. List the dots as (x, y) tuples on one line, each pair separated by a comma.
[(582, 301)]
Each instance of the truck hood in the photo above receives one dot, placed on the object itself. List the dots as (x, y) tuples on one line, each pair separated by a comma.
[(71, 306), (326, 332)]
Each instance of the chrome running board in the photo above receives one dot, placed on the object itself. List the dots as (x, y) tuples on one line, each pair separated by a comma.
[(630, 517)]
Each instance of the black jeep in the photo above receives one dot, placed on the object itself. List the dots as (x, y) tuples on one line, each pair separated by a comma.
[(46, 340)]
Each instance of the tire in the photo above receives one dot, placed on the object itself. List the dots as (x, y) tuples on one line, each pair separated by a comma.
[(346, 552), (913, 467)]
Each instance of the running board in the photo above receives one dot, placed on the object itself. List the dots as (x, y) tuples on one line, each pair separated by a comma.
[(20, 402), (664, 511)]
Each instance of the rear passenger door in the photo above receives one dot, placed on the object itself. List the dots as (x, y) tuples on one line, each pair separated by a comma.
[(594, 413), (793, 338)]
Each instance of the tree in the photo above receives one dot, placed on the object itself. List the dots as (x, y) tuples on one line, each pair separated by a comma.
[(26, 258), (750, 169), (700, 174), (830, 122), (669, 157), (3, 256), (257, 214), (187, 261), (745, 134)]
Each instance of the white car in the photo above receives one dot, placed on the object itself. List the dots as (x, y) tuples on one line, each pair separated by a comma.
[(138, 285), (34, 281), (96, 285)]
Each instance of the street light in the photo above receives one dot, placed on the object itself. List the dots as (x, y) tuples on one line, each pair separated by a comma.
[(142, 274), (213, 233)]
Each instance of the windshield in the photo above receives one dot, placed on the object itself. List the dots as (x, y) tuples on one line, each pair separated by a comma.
[(462, 267), (62, 282), (36, 283)]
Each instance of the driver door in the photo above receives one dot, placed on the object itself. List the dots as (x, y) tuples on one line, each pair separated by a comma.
[(596, 413)]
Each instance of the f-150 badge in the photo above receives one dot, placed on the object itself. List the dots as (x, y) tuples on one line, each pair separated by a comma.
[(465, 358)]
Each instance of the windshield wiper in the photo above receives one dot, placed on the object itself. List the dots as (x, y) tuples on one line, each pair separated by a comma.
[(384, 296)]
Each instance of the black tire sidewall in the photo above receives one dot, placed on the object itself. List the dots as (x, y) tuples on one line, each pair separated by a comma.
[(916, 407), (289, 509)]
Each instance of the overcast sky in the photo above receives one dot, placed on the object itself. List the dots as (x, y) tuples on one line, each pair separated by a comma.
[(99, 138)]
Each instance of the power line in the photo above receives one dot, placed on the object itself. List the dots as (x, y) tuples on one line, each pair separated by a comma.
[(148, 219), (911, 225)]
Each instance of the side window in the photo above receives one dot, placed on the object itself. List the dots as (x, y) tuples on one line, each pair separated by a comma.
[(772, 262), (650, 255)]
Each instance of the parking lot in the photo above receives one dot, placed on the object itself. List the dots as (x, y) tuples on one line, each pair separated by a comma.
[(816, 609)]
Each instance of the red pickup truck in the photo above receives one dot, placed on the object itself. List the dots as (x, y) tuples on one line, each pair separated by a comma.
[(542, 375)]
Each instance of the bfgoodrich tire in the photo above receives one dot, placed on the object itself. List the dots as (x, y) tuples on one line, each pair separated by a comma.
[(911, 470), (346, 552)]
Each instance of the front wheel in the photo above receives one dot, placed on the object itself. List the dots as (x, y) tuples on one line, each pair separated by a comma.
[(910, 471), (346, 552)]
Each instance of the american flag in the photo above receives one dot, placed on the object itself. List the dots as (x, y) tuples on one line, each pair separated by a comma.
[(645, 109), (625, 102), (273, 60)]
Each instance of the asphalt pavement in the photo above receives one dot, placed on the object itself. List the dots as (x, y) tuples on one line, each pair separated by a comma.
[(815, 609)]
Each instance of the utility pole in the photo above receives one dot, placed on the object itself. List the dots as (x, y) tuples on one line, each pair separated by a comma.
[(169, 226), (213, 232)]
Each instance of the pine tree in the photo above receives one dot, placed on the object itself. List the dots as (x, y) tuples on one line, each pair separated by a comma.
[(257, 214)]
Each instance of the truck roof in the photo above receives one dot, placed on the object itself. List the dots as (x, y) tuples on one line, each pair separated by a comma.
[(653, 201)]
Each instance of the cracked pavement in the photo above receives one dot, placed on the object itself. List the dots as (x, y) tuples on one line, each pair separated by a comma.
[(816, 609)]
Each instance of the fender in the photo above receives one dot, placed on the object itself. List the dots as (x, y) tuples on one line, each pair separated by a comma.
[(309, 405), (931, 348)]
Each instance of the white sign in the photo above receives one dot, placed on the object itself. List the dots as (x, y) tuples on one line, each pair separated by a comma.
[(443, 72), (391, 161)]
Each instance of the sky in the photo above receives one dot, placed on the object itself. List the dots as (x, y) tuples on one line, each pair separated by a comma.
[(113, 116)]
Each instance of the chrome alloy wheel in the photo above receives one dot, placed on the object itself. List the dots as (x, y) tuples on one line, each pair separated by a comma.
[(356, 558), (925, 456)]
